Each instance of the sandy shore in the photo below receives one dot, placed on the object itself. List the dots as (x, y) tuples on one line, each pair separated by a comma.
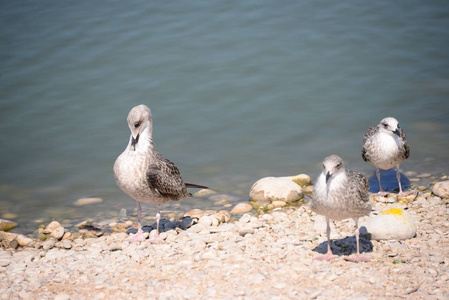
[(264, 257)]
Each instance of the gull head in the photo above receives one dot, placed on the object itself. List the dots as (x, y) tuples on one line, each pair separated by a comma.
[(139, 122), (332, 167), (390, 126)]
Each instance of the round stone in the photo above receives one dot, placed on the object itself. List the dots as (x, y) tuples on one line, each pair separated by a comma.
[(241, 208), (57, 233), (270, 189), (278, 203), (205, 220), (4, 262), (52, 226), (6, 225), (204, 193), (23, 240), (391, 224), (10, 216), (441, 189), (87, 201), (194, 213)]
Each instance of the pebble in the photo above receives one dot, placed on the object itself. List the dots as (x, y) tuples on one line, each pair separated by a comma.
[(205, 221), (7, 225), (279, 203), (52, 226), (204, 193), (441, 189), (57, 233), (241, 208), (244, 230), (23, 240), (194, 213), (391, 224), (4, 262), (245, 218), (87, 201)]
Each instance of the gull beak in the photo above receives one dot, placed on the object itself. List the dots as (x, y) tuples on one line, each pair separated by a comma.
[(134, 141), (328, 175), (397, 132)]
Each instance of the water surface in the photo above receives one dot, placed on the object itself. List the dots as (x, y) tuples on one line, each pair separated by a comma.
[(238, 91)]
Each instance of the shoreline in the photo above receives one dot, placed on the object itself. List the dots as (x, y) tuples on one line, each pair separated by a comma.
[(175, 210), (252, 257)]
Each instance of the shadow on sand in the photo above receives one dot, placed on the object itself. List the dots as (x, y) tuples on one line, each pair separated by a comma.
[(166, 225), (348, 245)]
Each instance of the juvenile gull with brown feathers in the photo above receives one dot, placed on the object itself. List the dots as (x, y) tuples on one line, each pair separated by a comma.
[(144, 174), (340, 194), (385, 146)]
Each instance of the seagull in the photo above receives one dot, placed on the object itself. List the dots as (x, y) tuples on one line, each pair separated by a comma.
[(144, 174), (340, 194), (385, 146)]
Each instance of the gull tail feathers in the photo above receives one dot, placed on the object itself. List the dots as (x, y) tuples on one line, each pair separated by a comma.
[(191, 185)]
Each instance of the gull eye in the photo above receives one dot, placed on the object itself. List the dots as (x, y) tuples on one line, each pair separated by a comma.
[(137, 124), (339, 166)]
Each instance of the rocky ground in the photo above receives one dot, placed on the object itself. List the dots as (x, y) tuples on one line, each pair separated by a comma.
[(269, 256)]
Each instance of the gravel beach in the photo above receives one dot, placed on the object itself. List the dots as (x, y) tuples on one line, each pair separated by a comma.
[(268, 256)]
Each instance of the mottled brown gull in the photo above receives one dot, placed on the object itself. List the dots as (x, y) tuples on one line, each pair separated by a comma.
[(144, 174), (385, 146), (340, 194)]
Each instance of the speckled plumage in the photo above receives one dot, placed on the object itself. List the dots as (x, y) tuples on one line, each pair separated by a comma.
[(345, 193), (340, 194), (144, 174), (385, 146)]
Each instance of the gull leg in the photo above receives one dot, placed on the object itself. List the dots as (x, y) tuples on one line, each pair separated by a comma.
[(328, 255), (381, 190), (156, 239), (398, 176), (138, 237), (357, 257)]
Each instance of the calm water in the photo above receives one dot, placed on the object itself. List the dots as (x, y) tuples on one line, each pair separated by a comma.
[(239, 90)]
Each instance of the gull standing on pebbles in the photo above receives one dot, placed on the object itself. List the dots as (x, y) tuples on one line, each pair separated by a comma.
[(146, 175), (385, 146), (340, 194)]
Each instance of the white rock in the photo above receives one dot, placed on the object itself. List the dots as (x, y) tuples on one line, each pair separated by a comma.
[(391, 224), (4, 262), (7, 236), (52, 226), (245, 218), (205, 220), (204, 192), (244, 230), (57, 233), (87, 201), (441, 189), (196, 228), (23, 240), (6, 225), (49, 244), (241, 208), (275, 188)]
